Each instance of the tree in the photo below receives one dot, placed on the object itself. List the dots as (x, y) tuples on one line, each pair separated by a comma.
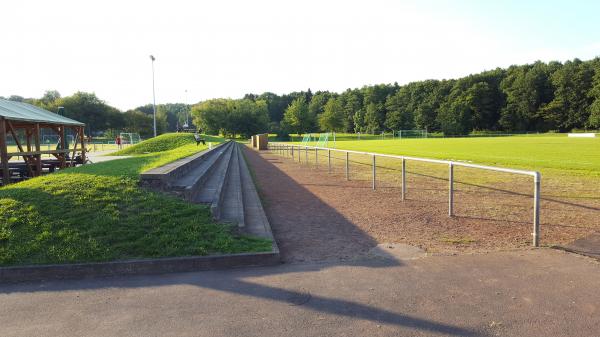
[(296, 117), (594, 94), (570, 107), (332, 119), (372, 118)]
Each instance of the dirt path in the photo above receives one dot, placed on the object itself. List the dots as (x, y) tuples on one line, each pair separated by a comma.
[(340, 218)]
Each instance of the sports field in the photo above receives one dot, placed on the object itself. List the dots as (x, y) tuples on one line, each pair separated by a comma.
[(548, 154)]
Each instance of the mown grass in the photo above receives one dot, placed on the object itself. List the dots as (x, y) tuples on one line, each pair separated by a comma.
[(168, 141), (98, 213), (548, 154)]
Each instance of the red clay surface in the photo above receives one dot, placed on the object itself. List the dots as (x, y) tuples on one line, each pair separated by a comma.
[(316, 215)]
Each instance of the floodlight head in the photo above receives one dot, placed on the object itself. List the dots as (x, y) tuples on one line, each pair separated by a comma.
[(152, 58)]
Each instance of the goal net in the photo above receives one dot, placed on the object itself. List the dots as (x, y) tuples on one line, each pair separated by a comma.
[(411, 134), (130, 138), (323, 140)]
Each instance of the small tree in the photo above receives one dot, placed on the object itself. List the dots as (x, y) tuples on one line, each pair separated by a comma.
[(332, 118), (296, 117)]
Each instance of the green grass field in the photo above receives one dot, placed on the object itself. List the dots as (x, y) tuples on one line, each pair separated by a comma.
[(550, 154), (98, 213)]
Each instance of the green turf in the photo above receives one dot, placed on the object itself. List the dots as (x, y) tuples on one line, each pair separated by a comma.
[(98, 213), (548, 154), (168, 141)]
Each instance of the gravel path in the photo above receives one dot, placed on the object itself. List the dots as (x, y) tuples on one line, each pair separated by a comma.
[(316, 215)]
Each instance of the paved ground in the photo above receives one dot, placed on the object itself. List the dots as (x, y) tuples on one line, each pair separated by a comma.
[(589, 246), (526, 293)]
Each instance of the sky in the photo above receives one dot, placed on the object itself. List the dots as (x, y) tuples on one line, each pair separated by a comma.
[(227, 48)]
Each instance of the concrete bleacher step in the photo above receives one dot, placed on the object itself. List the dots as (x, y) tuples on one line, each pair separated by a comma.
[(256, 221), (230, 204), (212, 189), (190, 184)]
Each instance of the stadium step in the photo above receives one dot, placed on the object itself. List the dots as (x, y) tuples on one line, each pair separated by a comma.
[(256, 222), (212, 188), (189, 185), (229, 205), (221, 179)]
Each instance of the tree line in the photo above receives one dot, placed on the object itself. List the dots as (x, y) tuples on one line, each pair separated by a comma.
[(102, 119), (538, 97)]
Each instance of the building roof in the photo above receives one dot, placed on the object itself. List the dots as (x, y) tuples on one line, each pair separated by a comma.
[(24, 112)]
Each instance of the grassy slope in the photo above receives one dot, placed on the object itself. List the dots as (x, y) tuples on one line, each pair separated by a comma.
[(98, 213), (551, 154), (164, 142)]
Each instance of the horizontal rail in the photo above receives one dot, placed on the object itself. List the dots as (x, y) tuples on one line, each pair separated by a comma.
[(427, 160), (284, 150)]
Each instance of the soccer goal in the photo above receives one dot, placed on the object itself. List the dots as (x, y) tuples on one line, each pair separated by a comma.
[(323, 140), (411, 134), (130, 138)]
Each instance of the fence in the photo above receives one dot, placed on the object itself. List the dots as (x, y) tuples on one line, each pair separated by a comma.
[(301, 152)]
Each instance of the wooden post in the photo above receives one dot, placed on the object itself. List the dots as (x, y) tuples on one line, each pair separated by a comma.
[(4, 153), (81, 130), (27, 160), (36, 139), (61, 134)]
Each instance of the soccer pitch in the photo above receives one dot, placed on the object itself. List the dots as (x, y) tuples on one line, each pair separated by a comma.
[(549, 154)]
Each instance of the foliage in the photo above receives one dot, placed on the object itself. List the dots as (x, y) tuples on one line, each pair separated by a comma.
[(230, 117), (98, 213), (531, 97), (297, 118), (332, 118)]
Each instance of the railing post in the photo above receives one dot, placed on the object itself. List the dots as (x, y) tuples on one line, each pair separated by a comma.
[(403, 178), (329, 161), (293, 153), (316, 158), (306, 154), (374, 174), (347, 166), (536, 208), (450, 189)]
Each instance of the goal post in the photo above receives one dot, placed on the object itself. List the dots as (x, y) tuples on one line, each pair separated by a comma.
[(411, 134), (130, 137)]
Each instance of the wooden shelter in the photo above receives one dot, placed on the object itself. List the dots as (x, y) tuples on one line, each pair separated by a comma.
[(22, 123)]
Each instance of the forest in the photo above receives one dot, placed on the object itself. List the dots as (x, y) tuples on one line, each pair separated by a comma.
[(538, 97)]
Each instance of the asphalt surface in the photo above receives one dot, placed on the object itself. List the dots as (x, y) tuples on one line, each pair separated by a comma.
[(520, 293)]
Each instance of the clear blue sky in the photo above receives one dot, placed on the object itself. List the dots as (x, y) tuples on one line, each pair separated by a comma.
[(228, 48)]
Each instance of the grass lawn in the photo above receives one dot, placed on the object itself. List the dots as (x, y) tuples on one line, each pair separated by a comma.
[(549, 154), (98, 213)]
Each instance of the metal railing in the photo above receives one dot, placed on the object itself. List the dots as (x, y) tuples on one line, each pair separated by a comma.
[(294, 151)]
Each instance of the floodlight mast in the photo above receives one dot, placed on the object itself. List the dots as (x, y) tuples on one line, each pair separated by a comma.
[(153, 96)]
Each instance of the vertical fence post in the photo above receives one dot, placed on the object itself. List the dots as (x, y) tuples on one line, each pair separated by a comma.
[(329, 161), (536, 209), (347, 166), (450, 189), (316, 158), (374, 174), (403, 178), (293, 153), (306, 154)]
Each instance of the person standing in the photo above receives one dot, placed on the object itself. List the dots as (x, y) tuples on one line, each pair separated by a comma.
[(118, 142)]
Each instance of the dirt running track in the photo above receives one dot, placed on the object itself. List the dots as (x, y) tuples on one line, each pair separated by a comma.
[(340, 219)]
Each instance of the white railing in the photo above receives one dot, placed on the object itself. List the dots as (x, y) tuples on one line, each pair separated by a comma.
[(292, 150)]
